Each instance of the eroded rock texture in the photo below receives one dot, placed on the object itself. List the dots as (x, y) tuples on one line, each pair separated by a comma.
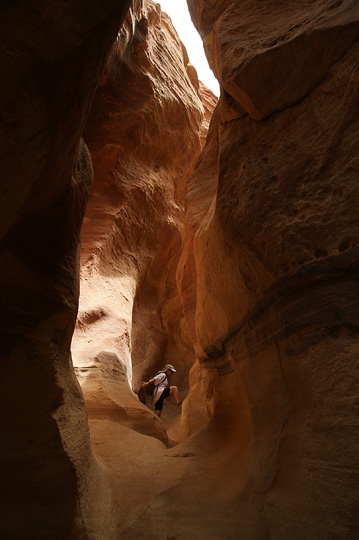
[(147, 125), (143, 134), (274, 246), (244, 275), (51, 56)]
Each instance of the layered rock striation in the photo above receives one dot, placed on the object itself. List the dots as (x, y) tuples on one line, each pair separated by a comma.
[(51, 58), (275, 253), (238, 263), (144, 135), (147, 125)]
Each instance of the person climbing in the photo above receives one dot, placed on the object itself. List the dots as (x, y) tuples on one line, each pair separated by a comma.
[(162, 389)]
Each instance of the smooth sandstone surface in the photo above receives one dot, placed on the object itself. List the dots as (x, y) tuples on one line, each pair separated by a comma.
[(237, 263), (276, 257), (52, 55), (147, 125), (144, 134)]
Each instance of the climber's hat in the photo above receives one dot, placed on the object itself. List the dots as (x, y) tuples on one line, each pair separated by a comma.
[(171, 368)]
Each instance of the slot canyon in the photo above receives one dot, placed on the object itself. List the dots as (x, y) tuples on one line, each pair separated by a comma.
[(147, 222)]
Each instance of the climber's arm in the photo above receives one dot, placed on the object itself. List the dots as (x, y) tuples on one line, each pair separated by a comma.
[(145, 384)]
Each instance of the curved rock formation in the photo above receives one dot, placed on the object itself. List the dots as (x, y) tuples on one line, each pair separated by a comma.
[(276, 257), (148, 122), (238, 264), (144, 137), (52, 56)]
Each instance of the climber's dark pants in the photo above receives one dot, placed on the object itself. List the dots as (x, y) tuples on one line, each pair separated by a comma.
[(159, 402)]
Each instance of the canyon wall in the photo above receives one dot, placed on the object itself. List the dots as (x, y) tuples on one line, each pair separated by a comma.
[(274, 245), (147, 125), (238, 263), (144, 132), (52, 55)]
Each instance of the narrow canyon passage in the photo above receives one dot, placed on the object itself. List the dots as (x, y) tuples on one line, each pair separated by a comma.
[(178, 268), (147, 126), (145, 222)]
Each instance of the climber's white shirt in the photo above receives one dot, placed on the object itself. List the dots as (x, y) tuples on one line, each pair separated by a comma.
[(162, 382)]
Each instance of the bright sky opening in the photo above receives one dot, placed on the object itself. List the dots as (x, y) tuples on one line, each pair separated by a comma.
[(178, 11)]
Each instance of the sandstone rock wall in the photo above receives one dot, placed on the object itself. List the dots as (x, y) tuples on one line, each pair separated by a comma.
[(144, 134), (51, 58), (250, 266), (276, 258), (145, 131)]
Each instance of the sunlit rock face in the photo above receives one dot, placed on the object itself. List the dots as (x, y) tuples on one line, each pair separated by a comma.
[(272, 237), (51, 56), (148, 121), (237, 264)]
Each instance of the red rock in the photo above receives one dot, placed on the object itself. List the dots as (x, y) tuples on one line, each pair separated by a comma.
[(144, 133), (251, 262), (201, 194), (293, 49), (276, 264), (51, 58)]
